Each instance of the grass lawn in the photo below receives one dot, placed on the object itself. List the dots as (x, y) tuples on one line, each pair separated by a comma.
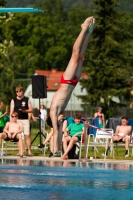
[(119, 153)]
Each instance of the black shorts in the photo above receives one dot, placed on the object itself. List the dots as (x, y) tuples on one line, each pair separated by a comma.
[(121, 140), (79, 138), (9, 139), (1, 129)]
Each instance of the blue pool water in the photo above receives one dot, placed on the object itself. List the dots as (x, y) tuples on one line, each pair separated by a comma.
[(40, 180)]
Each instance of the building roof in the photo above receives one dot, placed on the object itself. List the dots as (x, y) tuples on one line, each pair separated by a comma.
[(53, 78)]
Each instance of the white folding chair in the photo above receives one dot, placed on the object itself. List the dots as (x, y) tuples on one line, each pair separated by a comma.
[(91, 140), (79, 146), (9, 144), (131, 143), (2, 153), (106, 135)]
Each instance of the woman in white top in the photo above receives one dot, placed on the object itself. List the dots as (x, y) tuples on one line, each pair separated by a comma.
[(43, 116)]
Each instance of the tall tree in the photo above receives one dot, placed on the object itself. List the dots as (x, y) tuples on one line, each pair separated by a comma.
[(2, 3), (109, 61), (2, 17), (11, 70), (48, 36)]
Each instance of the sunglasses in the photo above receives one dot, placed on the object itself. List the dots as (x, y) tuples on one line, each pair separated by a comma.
[(18, 91), (14, 116)]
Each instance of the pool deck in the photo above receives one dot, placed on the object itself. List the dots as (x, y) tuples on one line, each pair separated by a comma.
[(58, 159)]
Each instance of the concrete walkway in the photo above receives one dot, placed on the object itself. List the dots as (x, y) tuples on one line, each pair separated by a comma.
[(42, 158)]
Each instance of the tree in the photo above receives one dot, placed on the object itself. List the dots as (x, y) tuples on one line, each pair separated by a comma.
[(2, 18), (109, 61), (125, 6), (11, 70), (40, 41), (46, 40), (48, 36), (2, 3)]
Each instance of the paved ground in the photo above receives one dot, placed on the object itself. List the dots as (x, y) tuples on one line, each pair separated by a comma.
[(70, 160), (41, 158)]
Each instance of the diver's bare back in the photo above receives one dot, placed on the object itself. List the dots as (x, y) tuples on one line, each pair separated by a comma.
[(62, 97)]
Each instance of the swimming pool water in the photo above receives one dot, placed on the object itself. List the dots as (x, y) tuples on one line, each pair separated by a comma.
[(37, 180)]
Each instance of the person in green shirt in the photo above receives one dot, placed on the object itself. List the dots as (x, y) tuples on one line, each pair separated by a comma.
[(2, 123), (72, 134), (2, 115)]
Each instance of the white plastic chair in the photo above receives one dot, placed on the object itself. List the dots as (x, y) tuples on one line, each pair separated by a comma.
[(9, 144), (2, 153), (79, 146), (106, 135)]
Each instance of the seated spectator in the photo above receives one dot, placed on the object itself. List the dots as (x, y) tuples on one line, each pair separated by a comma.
[(72, 134), (13, 132), (122, 134)]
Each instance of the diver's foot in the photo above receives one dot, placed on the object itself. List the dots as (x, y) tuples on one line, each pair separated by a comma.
[(87, 23), (91, 27)]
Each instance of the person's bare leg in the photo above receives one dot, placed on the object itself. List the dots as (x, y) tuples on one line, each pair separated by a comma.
[(3, 136), (20, 145), (55, 136), (48, 138), (116, 138), (28, 143), (64, 125), (65, 142), (126, 140), (54, 120), (52, 144), (44, 126), (19, 153), (71, 143), (79, 49), (19, 148)]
